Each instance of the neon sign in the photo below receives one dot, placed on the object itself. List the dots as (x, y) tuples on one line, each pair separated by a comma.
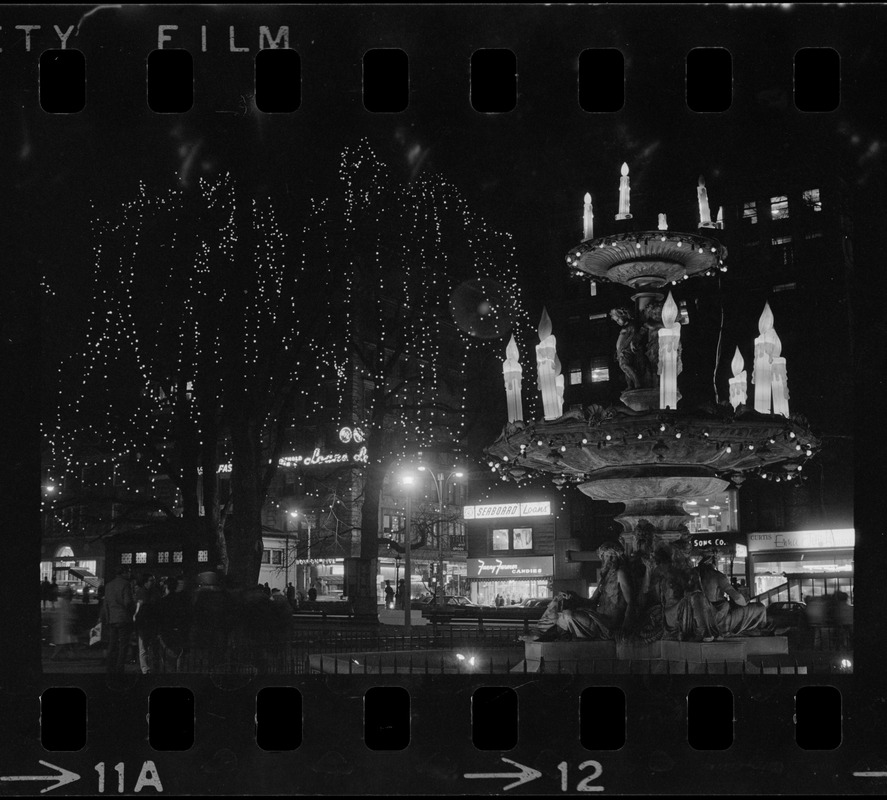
[(360, 457)]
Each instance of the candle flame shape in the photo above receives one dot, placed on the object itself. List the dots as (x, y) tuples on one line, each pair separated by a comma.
[(625, 168), (544, 325), (663, 223), (777, 345), (736, 364), (588, 198), (701, 181), (765, 323), (557, 365), (721, 214), (669, 312), (511, 350)]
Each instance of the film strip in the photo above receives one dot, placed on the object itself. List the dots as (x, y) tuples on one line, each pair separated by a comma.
[(460, 537)]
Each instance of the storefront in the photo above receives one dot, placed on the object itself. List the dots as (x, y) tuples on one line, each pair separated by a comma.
[(513, 578), (805, 563)]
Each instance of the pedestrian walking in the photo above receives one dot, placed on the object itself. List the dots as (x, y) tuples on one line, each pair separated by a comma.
[(45, 591), (117, 611), (290, 593), (145, 621), (312, 594), (389, 595), (53, 593), (63, 637)]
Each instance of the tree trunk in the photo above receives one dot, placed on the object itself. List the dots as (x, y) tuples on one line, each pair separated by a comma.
[(244, 540)]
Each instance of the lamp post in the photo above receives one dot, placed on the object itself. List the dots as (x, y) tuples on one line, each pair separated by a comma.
[(295, 514), (441, 481), (408, 481)]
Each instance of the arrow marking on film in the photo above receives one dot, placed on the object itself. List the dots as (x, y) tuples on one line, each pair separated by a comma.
[(525, 775), (64, 776)]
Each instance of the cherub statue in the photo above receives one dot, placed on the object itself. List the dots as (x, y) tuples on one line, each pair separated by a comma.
[(649, 339), (627, 345)]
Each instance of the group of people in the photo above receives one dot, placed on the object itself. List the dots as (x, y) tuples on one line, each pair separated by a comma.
[(655, 594), (394, 597), (501, 601), (165, 619), (51, 593)]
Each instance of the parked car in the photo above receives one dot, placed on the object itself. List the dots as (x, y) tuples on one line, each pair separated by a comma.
[(457, 605), (787, 613)]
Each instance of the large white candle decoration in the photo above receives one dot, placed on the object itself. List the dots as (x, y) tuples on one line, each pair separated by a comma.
[(779, 379), (669, 350), (546, 356), (704, 210), (663, 223), (559, 384), (511, 371), (762, 375), (588, 219), (720, 222), (738, 383), (624, 191)]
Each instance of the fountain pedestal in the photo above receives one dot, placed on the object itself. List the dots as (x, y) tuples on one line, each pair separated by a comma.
[(653, 497)]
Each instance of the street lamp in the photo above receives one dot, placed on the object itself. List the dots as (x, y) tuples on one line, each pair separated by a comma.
[(441, 481), (408, 481), (295, 514)]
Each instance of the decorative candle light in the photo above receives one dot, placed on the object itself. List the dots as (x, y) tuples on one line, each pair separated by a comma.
[(546, 358), (761, 377), (704, 210), (624, 191), (720, 222), (669, 349), (588, 219), (511, 371), (738, 383), (663, 223), (559, 384), (779, 379)]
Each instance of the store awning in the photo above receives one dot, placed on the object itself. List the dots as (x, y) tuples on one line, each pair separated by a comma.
[(84, 575)]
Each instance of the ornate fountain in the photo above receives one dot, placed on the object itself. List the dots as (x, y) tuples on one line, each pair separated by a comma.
[(651, 453)]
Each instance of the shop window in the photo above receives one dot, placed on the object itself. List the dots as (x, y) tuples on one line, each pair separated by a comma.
[(684, 315), (126, 558), (203, 555), (163, 557), (500, 539), (266, 556), (523, 539), (277, 557), (750, 213), (600, 369), (779, 207), (812, 199), (141, 558), (177, 557)]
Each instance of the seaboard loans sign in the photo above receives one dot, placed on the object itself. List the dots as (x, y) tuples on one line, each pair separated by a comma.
[(540, 508)]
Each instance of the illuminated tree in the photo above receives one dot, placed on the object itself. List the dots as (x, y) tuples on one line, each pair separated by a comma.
[(395, 250), (197, 339)]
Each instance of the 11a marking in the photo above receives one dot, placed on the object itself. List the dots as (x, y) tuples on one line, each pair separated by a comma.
[(585, 784), (147, 777)]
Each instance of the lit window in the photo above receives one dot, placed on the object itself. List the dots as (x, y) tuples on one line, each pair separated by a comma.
[(575, 373), (812, 199), (523, 538), (600, 369), (141, 558), (177, 557), (126, 558), (593, 289), (500, 539), (266, 556), (163, 557), (750, 212), (277, 556), (684, 316), (779, 207), (203, 555)]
